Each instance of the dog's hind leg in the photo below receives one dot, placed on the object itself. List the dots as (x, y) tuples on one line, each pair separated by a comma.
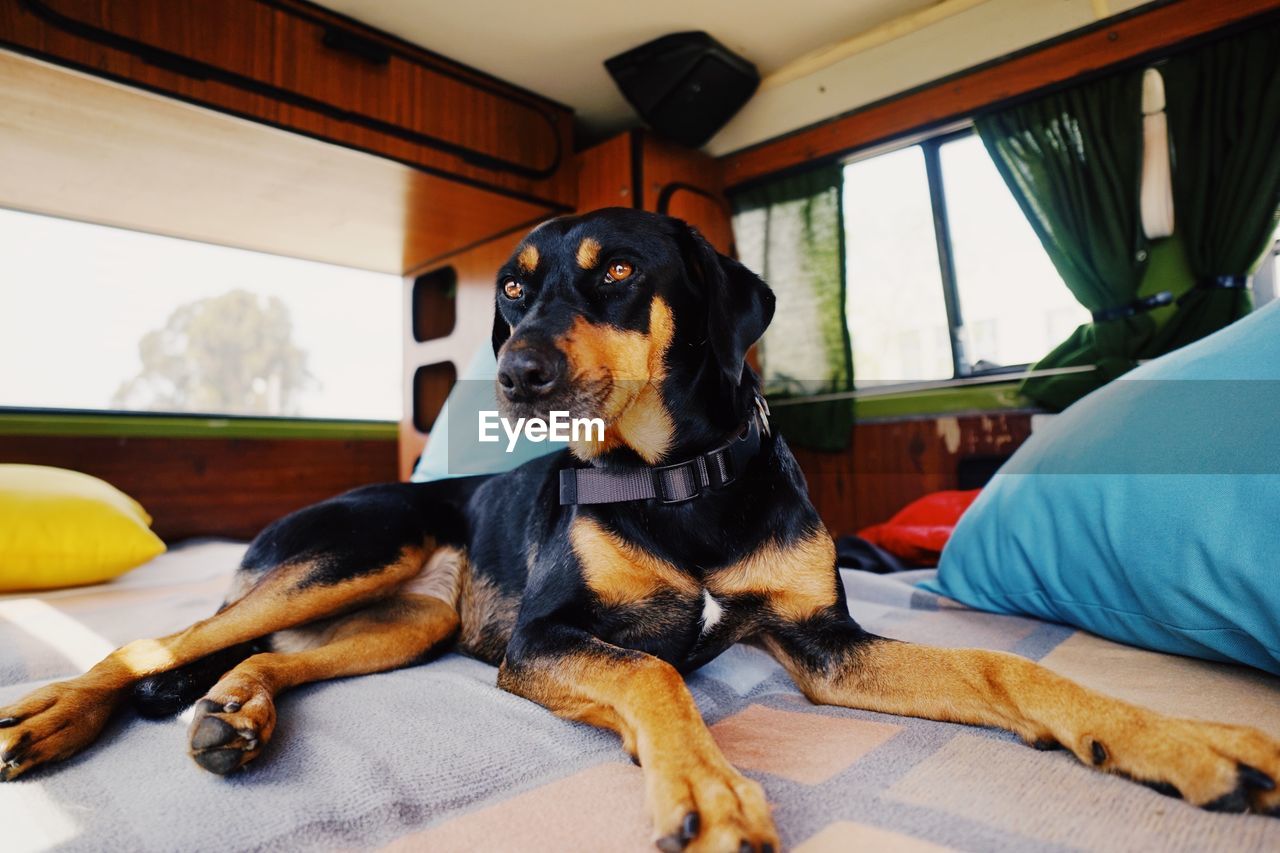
[(237, 717), (60, 719), (1213, 765)]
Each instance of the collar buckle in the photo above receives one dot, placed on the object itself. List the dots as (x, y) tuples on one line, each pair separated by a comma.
[(680, 482)]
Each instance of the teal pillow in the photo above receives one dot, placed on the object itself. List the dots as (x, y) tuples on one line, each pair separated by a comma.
[(463, 454), (1149, 511)]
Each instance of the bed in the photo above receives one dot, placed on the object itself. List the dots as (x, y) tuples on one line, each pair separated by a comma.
[(438, 758)]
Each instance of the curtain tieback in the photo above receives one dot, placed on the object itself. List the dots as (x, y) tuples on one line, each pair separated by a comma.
[(1218, 282), (1132, 309)]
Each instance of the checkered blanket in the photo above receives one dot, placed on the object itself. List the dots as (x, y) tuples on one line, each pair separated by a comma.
[(436, 757)]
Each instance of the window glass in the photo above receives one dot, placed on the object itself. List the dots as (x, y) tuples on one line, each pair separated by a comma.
[(896, 313), (93, 317), (1014, 306), (1268, 275)]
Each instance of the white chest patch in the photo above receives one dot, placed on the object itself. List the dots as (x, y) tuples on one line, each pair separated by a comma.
[(711, 611)]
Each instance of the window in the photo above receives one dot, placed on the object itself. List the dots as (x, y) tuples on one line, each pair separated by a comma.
[(897, 320), (1266, 281), (93, 317), (1014, 305), (945, 276)]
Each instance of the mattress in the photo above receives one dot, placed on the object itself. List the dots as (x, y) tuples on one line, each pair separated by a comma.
[(436, 757)]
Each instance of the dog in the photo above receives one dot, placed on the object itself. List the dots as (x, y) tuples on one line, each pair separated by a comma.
[(597, 576)]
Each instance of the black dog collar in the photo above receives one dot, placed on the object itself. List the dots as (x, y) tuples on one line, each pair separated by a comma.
[(668, 483)]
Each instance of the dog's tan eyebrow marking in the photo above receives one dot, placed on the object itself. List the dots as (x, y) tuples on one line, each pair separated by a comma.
[(527, 260), (588, 253)]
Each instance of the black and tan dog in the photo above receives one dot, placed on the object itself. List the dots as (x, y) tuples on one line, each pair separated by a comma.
[(595, 590)]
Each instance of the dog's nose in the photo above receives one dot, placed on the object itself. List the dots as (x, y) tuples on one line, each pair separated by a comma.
[(529, 372)]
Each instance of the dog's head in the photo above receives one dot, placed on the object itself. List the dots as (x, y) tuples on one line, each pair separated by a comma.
[(620, 315)]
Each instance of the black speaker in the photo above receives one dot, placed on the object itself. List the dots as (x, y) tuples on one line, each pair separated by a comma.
[(685, 85)]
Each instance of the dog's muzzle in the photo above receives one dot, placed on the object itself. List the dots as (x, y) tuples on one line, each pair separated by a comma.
[(531, 373)]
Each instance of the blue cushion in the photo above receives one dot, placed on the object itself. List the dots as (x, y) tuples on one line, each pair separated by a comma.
[(1149, 511), (467, 455)]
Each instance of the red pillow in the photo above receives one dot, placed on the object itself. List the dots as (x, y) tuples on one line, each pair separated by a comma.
[(919, 530)]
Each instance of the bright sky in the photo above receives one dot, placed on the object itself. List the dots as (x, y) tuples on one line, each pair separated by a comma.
[(75, 299)]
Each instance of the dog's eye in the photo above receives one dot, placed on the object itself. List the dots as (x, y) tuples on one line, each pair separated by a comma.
[(618, 270), (512, 288)]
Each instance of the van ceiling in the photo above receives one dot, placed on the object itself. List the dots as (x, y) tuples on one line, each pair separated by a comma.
[(557, 47)]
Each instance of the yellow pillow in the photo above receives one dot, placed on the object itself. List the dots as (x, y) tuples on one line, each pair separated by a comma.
[(63, 528)]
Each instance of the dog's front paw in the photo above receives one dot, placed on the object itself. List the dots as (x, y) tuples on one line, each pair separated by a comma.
[(1215, 766), (232, 724), (50, 724), (704, 805)]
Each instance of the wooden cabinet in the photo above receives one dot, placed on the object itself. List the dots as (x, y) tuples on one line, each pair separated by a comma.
[(296, 66), (457, 291), (636, 169), (80, 147)]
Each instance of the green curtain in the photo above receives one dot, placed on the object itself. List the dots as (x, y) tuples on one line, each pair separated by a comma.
[(1073, 161), (1223, 104), (791, 233)]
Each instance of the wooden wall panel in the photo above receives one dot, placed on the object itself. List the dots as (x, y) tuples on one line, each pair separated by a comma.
[(475, 269), (605, 173), (1150, 31), (688, 185), (214, 486), (894, 462), (637, 169)]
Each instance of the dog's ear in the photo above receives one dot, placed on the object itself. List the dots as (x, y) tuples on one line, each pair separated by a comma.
[(739, 303), (501, 328)]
